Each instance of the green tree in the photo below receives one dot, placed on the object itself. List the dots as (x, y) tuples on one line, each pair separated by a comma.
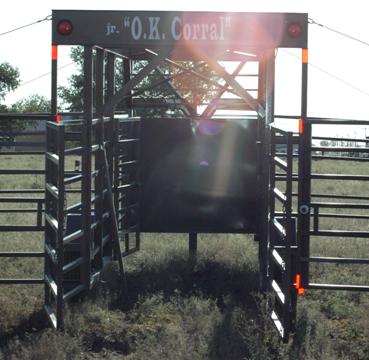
[(32, 104), (71, 95), (9, 81)]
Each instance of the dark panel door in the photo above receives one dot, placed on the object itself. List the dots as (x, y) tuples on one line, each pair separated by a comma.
[(198, 176)]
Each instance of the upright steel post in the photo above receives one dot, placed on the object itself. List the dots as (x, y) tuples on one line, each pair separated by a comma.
[(54, 79), (126, 78), (99, 158), (60, 232), (266, 96), (304, 181), (110, 134), (192, 245), (86, 165)]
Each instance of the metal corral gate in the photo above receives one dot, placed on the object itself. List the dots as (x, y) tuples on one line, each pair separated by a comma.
[(201, 171)]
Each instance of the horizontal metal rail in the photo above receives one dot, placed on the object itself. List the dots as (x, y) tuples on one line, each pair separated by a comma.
[(335, 260), (279, 227), (280, 176), (21, 228), (339, 205), (315, 286), (21, 172), (339, 139), (21, 200), (340, 149), (279, 195), (22, 191), (343, 158), (327, 157), (331, 215), (337, 196), (22, 254), (21, 210), (21, 281), (15, 116), (280, 163), (22, 152), (340, 177), (339, 233), (22, 143), (334, 121)]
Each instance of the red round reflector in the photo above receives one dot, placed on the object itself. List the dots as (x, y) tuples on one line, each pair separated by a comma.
[(64, 27), (294, 30)]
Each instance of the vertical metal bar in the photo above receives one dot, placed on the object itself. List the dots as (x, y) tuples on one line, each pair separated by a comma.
[(138, 179), (304, 181), (126, 242), (47, 240), (265, 253), (138, 239), (110, 73), (266, 96), (272, 140), (86, 165), (109, 134), (39, 213), (60, 233), (316, 218), (192, 245), (288, 281), (54, 79), (126, 78), (117, 175), (99, 157)]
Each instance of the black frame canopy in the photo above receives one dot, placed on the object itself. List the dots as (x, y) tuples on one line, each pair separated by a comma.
[(161, 37), (188, 32), (131, 166)]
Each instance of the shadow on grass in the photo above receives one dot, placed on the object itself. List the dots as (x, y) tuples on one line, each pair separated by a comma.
[(207, 278), (35, 323), (232, 288)]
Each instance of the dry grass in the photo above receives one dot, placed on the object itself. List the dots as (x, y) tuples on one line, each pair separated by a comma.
[(181, 311)]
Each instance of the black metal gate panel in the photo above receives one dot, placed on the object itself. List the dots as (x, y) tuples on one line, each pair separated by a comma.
[(199, 175)]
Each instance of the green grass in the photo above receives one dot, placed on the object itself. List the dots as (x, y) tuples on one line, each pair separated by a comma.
[(178, 309)]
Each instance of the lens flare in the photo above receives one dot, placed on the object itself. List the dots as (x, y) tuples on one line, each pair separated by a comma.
[(209, 127)]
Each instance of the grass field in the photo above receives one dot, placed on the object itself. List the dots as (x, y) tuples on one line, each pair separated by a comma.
[(181, 310)]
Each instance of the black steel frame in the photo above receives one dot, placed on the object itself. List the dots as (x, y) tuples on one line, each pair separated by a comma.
[(28, 196), (108, 146), (308, 230), (281, 257)]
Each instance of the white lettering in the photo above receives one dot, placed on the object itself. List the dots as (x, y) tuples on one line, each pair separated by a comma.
[(154, 32), (176, 23), (136, 28), (221, 32), (111, 29), (196, 30), (187, 31), (213, 32)]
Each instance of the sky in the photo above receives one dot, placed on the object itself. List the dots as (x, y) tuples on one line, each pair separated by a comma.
[(29, 49)]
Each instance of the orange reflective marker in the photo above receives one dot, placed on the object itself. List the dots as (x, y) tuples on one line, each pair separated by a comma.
[(300, 290), (298, 281), (57, 118), (54, 52), (301, 126), (305, 56)]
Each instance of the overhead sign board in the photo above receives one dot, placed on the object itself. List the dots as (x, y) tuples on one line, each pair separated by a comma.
[(160, 29)]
